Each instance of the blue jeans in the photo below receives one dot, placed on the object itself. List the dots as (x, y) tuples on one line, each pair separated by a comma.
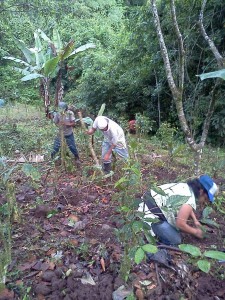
[(70, 143), (121, 152), (166, 233)]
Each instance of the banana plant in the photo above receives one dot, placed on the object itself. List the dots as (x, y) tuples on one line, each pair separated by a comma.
[(45, 61)]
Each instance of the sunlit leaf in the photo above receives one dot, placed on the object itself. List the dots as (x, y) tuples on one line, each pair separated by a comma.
[(22, 71), (44, 36), (193, 250), (82, 48), (150, 248), (137, 226), (120, 181), (139, 256), (32, 76), (57, 40), (101, 110), (27, 53), (204, 265), (216, 74), (215, 254), (17, 60)]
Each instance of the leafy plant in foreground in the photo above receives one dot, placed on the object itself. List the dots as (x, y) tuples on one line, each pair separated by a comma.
[(134, 230), (201, 261)]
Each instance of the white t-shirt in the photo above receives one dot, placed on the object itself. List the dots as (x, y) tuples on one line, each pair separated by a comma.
[(176, 194), (114, 135)]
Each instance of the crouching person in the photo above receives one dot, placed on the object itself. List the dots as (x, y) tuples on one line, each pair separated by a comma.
[(174, 206)]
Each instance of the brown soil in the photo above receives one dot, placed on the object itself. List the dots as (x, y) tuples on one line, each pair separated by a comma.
[(74, 254)]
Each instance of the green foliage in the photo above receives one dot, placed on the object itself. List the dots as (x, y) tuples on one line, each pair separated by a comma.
[(140, 253), (205, 217), (143, 124), (133, 225), (203, 264), (167, 134)]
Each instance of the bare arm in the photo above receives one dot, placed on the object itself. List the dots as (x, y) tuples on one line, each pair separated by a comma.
[(91, 131), (108, 153), (196, 222), (185, 212)]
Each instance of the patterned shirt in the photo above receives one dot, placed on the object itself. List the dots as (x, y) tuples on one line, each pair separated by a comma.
[(173, 196)]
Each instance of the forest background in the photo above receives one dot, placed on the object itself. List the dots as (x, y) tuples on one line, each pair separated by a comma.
[(136, 74), (125, 70)]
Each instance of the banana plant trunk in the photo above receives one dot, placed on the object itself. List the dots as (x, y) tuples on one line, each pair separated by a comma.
[(44, 91)]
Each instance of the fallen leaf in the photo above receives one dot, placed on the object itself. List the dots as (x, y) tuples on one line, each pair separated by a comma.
[(88, 280), (73, 218), (51, 265), (50, 251), (105, 200), (139, 294), (74, 242), (102, 261), (26, 266)]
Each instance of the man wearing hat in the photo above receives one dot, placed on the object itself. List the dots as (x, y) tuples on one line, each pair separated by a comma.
[(114, 140), (65, 121), (174, 205)]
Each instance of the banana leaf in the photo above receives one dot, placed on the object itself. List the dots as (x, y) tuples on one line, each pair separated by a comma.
[(82, 48), (216, 74), (50, 66), (17, 60), (57, 40), (27, 53), (32, 76)]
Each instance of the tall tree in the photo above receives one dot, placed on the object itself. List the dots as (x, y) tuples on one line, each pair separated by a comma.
[(177, 88)]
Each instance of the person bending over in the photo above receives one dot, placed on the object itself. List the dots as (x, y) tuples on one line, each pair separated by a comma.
[(114, 140), (174, 206)]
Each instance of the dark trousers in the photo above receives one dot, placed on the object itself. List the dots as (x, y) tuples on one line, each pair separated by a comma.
[(70, 143), (165, 232)]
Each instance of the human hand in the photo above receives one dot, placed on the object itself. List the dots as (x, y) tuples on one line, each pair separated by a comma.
[(198, 233), (197, 223), (106, 157)]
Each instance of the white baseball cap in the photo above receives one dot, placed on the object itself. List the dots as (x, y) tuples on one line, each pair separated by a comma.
[(102, 122)]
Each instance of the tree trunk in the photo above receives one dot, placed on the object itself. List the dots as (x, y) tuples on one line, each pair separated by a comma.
[(177, 90)]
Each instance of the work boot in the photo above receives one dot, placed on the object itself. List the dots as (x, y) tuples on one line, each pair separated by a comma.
[(106, 168), (77, 161)]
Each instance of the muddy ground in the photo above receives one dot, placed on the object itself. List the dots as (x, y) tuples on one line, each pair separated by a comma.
[(65, 246)]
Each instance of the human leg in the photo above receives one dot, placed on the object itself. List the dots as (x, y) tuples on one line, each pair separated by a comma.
[(166, 233), (71, 144), (56, 147), (122, 152), (106, 166)]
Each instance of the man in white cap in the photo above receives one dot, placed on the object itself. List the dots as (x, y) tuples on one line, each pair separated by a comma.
[(114, 140)]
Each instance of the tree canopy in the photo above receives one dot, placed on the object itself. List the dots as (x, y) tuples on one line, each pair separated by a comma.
[(126, 69)]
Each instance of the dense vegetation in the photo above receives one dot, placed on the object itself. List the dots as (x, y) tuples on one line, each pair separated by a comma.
[(126, 69)]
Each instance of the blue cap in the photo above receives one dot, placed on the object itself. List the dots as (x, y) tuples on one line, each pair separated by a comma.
[(63, 105), (209, 185)]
